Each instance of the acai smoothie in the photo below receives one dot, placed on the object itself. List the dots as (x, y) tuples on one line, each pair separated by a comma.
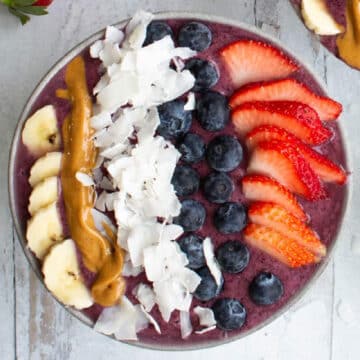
[(325, 214)]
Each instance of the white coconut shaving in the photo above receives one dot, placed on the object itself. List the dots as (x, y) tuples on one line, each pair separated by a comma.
[(152, 321), (123, 320), (185, 324), (84, 179), (145, 295), (211, 262), (205, 330), (190, 102), (206, 316)]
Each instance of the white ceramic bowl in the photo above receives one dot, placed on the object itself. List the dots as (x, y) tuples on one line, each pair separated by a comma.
[(17, 138)]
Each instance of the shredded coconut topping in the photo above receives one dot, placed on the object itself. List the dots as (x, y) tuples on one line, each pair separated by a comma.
[(140, 165)]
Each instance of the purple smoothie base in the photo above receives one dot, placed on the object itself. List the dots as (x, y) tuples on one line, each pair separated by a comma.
[(325, 214)]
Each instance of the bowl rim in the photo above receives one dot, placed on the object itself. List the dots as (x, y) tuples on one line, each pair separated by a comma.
[(168, 15)]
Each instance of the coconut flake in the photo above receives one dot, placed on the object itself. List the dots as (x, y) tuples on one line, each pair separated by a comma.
[(100, 219), (84, 179), (101, 201), (185, 324), (119, 320), (211, 261), (145, 296), (163, 260), (205, 330), (142, 321), (114, 35), (140, 238), (191, 102), (170, 296), (130, 270), (101, 121), (102, 83), (136, 29), (188, 278), (206, 316), (151, 320), (95, 48)]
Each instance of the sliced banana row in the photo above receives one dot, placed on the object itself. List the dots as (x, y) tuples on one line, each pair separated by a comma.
[(44, 232), (44, 227)]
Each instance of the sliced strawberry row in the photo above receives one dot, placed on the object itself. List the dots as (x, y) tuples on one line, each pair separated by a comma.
[(297, 118), (288, 90), (248, 61), (279, 219), (282, 248), (262, 188), (279, 118), (322, 166), (281, 161)]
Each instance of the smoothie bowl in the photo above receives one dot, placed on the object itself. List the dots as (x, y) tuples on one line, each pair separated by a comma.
[(177, 182)]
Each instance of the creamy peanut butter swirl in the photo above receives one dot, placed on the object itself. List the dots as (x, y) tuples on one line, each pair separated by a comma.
[(100, 254), (349, 43)]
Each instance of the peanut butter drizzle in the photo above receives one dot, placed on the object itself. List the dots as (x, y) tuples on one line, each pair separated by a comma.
[(349, 43), (100, 255)]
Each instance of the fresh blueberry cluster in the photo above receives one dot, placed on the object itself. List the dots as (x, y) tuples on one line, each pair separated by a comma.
[(223, 154)]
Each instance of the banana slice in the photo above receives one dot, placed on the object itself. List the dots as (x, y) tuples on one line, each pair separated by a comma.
[(44, 229), (44, 193), (41, 133), (318, 18), (62, 276), (46, 166)]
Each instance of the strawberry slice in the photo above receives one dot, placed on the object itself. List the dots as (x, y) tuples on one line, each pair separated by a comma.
[(322, 166), (282, 248), (287, 89), (281, 161), (297, 118), (276, 217), (263, 188), (249, 61)]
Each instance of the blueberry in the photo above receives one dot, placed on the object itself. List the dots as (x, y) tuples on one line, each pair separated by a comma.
[(218, 187), (156, 31), (230, 218), (205, 73), (266, 289), (229, 314), (185, 180), (192, 215), (224, 153), (174, 120), (192, 246), (192, 148), (213, 111), (233, 256), (207, 289), (195, 35)]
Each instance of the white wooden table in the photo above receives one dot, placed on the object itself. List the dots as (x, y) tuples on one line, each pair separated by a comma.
[(324, 325)]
